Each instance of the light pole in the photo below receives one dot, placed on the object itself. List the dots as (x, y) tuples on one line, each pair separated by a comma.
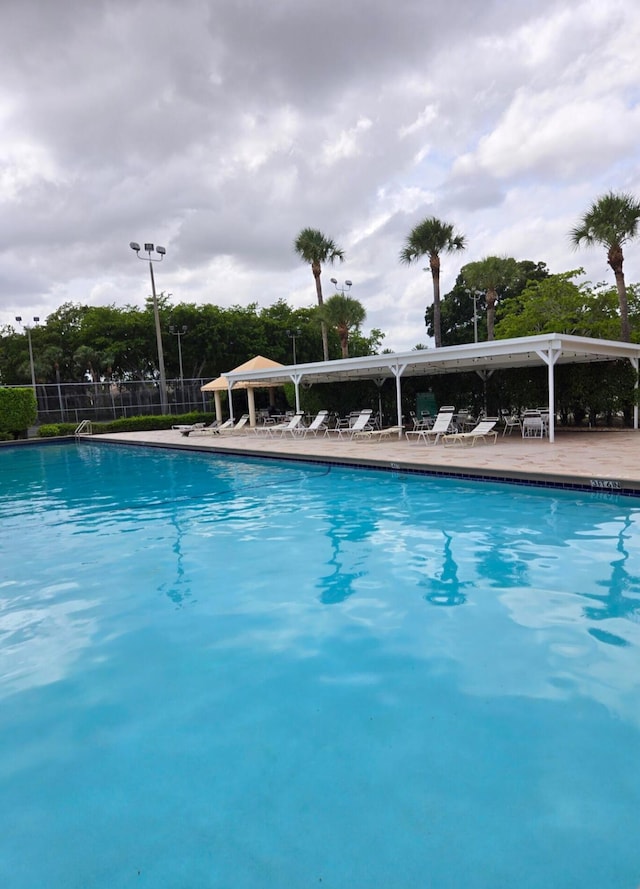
[(149, 248), (474, 294), (28, 330), (294, 334), (179, 332), (346, 287)]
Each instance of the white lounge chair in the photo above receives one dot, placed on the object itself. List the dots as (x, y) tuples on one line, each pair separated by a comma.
[(212, 429), (233, 430), (281, 429), (482, 432), (317, 425), (441, 425), (359, 424), (187, 428), (378, 434)]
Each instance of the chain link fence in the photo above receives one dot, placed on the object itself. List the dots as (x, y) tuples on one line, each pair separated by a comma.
[(104, 401)]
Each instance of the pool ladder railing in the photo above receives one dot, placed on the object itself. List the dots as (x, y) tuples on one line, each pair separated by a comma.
[(84, 428)]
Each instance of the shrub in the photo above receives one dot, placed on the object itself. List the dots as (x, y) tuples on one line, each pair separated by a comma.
[(127, 424), (18, 411), (51, 430)]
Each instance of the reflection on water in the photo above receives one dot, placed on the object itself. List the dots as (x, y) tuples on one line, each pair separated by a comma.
[(444, 587)]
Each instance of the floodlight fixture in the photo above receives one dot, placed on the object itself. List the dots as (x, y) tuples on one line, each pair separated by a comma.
[(346, 286), (149, 248)]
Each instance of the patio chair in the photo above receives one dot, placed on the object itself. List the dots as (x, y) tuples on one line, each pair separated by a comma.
[(532, 425), (510, 423), (441, 425), (282, 428), (482, 432), (317, 425), (359, 424)]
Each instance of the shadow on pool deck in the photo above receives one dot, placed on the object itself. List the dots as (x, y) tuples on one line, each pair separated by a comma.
[(595, 458)]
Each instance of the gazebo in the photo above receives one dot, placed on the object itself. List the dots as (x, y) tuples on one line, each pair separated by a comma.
[(225, 384)]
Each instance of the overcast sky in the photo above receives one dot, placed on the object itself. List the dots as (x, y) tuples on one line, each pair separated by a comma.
[(221, 128)]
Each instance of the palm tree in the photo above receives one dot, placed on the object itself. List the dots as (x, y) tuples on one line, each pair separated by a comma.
[(344, 314), (314, 248), (431, 237), (490, 274), (611, 221)]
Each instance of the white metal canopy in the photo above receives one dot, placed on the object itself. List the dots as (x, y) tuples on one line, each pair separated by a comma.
[(546, 349)]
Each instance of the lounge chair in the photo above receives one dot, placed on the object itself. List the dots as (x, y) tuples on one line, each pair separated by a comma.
[(441, 425), (359, 425), (186, 429), (378, 434), (283, 428), (482, 432), (317, 425), (230, 429), (212, 428)]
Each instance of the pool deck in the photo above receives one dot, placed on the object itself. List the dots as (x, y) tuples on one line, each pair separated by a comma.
[(599, 459)]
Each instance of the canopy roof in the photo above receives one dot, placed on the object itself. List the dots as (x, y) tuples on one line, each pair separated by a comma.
[(489, 356), (257, 363), (543, 350)]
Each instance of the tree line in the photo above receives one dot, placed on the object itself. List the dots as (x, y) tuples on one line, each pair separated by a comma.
[(79, 342)]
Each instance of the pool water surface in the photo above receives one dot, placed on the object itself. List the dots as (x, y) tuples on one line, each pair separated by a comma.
[(234, 673)]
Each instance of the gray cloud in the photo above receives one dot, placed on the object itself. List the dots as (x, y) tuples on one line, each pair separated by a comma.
[(221, 128)]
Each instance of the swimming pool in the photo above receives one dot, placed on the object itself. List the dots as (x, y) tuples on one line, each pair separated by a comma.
[(218, 672)]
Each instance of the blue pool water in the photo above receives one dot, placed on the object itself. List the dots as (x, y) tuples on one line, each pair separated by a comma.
[(235, 674)]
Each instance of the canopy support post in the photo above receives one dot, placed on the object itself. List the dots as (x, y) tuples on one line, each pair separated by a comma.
[(550, 356), (634, 365), (295, 379), (397, 370)]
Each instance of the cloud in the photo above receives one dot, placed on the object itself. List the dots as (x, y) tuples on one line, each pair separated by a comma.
[(221, 129)]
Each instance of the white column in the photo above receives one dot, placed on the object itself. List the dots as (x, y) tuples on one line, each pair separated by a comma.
[(218, 402), (251, 402)]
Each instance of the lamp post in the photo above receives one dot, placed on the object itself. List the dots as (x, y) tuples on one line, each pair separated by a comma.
[(179, 332), (346, 287), (28, 331), (149, 249), (294, 334), (474, 294)]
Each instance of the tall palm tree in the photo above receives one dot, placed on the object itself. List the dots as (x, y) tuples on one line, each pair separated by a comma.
[(611, 221), (315, 248), (344, 314), (431, 237), (490, 274)]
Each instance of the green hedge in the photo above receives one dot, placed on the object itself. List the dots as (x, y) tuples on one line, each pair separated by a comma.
[(127, 424), (18, 411)]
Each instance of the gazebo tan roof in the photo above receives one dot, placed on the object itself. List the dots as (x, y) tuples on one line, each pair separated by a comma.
[(544, 349), (221, 384)]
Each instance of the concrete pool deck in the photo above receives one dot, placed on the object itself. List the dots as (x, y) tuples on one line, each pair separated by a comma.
[(598, 459)]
